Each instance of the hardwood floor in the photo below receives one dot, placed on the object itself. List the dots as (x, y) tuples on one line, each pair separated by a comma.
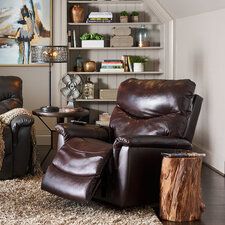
[(213, 192)]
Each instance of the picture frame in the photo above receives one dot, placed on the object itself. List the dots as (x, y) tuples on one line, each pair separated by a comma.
[(24, 23)]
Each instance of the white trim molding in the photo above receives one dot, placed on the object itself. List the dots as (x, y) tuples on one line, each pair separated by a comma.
[(166, 19)]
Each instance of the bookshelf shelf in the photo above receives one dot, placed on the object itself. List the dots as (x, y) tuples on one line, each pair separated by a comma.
[(130, 24), (117, 48), (96, 100), (116, 73), (106, 2)]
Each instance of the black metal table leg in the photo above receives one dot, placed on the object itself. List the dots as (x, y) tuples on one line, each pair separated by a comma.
[(51, 145)]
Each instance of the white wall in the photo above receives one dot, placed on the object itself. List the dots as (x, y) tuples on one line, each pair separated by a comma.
[(35, 79), (179, 8), (200, 56)]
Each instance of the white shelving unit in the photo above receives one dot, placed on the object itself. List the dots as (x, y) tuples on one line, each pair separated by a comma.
[(112, 80), (117, 48), (120, 73), (106, 2), (96, 100), (129, 24)]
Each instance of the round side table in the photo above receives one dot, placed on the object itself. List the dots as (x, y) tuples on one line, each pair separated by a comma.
[(76, 113)]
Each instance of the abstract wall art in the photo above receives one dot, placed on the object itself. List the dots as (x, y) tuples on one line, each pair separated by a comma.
[(23, 23)]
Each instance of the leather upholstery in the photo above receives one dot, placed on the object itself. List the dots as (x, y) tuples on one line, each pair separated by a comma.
[(68, 131), (10, 93), (193, 118), (81, 161), (151, 117), (159, 107), (17, 136), (153, 141), (155, 97)]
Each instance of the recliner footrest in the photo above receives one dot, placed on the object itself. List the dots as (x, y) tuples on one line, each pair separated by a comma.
[(76, 169)]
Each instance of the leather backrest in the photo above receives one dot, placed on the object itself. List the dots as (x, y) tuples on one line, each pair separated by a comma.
[(153, 107), (193, 119), (151, 98), (10, 93)]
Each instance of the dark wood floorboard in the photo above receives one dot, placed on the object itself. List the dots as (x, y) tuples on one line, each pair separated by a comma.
[(213, 192)]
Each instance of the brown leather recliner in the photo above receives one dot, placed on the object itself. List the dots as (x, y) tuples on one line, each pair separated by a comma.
[(16, 136), (121, 164)]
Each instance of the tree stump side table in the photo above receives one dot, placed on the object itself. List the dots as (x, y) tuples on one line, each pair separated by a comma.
[(180, 187)]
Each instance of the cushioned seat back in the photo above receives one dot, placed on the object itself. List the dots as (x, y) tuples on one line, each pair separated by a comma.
[(10, 93), (152, 107)]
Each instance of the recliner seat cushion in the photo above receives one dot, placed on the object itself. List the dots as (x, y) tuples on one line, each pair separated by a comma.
[(76, 169)]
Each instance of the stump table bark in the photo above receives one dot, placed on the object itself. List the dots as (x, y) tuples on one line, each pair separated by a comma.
[(180, 189)]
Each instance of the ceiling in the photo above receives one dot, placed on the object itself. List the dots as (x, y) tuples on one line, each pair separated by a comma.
[(184, 8)]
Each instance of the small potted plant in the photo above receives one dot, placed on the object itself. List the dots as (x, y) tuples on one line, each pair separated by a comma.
[(135, 16), (124, 17), (91, 40), (138, 63)]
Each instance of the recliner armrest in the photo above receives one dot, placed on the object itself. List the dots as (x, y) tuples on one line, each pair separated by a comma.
[(153, 142), (18, 122), (21, 121), (147, 141), (69, 130)]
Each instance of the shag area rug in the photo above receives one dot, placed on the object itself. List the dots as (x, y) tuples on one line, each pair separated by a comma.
[(23, 202)]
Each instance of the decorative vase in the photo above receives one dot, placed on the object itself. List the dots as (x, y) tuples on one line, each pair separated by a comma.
[(143, 39), (88, 91), (135, 19), (138, 67), (79, 64), (90, 66), (77, 14), (123, 19)]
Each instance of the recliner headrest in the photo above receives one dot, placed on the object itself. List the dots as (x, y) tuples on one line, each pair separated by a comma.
[(151, 98)]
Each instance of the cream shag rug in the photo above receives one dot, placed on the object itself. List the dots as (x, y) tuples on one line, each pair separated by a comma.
[(23, 202)]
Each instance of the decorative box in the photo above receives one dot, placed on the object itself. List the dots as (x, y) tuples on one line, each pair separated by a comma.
[(121, 31), (92, 43), (108, 94), (121, 41)]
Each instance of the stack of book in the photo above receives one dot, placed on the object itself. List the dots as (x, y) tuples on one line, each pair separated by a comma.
[(100, 17), (112, 66)]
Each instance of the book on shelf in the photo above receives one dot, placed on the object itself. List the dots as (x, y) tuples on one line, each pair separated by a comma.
[(112, 64), (112, 67), (112, 70), (69, 38), (98, 21), (100, 15), (74, 44), (112, 60), (130, 66)]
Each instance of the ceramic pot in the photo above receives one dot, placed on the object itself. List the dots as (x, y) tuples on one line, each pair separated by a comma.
[(89, 66), (138, 67), (77, 14), (123, 19), (135, 19)]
